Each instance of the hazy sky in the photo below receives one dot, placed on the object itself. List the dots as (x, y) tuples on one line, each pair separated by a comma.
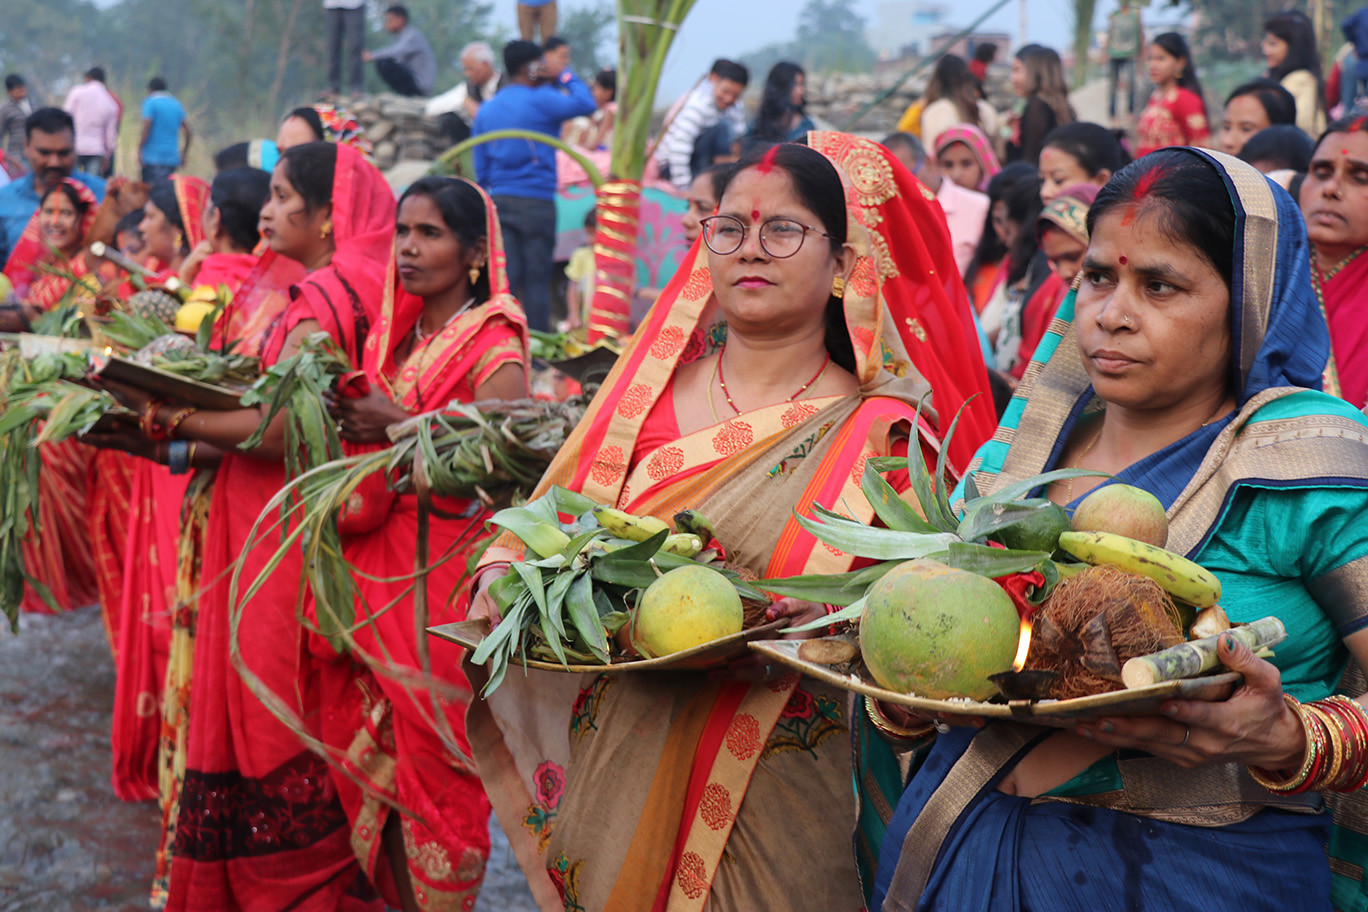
[(717, 28)]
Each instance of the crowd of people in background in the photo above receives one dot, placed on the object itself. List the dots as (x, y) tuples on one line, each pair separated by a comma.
[(1017, 205)]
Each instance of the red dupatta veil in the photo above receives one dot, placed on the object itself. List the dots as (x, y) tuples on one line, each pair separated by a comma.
[(30, 253)]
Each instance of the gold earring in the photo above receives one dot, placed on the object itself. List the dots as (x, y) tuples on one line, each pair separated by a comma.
[(474, 274), (180, 242), (838, 287), (325, 230)]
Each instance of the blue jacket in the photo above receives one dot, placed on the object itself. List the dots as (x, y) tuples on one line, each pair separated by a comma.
[(1355, 28), (520, 167), (18, 202)]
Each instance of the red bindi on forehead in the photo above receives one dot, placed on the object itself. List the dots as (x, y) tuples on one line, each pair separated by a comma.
[(1123, 261), (755, 215)]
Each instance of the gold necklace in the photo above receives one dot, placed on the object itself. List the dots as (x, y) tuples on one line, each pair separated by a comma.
[(712, 407), (1077, 464)]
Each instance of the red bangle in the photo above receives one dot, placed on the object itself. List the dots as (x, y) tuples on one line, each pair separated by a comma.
[(148, 421)]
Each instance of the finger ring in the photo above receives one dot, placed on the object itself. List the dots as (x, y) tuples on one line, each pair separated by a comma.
[(1187, 733), (769, 671), (942, 727)]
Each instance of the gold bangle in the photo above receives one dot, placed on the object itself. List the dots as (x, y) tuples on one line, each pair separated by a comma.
[(1330, 772), (1279, 782), (891, 729), (190, 455)]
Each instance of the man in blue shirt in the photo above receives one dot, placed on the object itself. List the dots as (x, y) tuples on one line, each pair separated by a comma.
[(520, 176), (50, 147), (159, 151)]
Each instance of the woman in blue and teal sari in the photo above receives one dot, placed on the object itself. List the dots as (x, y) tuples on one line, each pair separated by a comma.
[(1187, 362)]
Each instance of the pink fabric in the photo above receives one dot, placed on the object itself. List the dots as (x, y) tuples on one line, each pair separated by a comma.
[(97, 118), (965, 214)]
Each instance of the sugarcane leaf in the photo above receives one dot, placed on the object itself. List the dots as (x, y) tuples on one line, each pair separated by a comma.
[(585, 617), (555, 602), (543, 508), (628, 574), (852, 613), (895, 512), (578, 542)]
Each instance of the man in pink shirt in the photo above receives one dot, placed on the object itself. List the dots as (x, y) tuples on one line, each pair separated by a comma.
[(96, 114), (966, 211)]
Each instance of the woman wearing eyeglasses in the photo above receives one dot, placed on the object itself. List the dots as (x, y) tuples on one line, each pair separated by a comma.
[(792, 345)]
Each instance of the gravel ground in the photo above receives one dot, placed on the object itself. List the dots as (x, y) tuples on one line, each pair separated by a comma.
[(66, 843)]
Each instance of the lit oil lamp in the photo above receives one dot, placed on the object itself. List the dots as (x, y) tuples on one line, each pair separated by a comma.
[(1022, 683)]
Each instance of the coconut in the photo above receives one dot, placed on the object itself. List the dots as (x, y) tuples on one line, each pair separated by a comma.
[(1093, 622), (1126, 510), (937, 632), (687, 607)]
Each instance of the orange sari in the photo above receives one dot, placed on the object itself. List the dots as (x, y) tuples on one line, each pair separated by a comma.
[(380, 724), (629, 792)]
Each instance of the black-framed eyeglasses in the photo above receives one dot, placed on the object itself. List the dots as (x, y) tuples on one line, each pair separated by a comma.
[(779, 237)]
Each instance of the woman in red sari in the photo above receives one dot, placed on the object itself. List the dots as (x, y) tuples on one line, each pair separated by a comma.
[(259, 825), (171, 226), (826, 266), (57, 553), (450, 331), (1176, 113), (144, 611), (1334, 200)]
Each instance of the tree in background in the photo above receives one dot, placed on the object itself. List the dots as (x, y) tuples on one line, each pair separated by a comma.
[(830, 38), (1084, 10)]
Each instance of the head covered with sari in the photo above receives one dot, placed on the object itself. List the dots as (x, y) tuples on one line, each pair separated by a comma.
[(345, 296), (31, 251), (978, 143), (903, 306), (457, 352), (1069, 212), (1279, 345)]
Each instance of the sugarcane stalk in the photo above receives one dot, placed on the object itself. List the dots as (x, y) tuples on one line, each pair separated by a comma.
[(1188, 660), (646, 29)]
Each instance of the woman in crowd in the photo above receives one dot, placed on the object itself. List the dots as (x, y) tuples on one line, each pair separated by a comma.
[(1062, 236), (1078, 153), (142, 617), (173, 222), (1196, 332), (48, 269), (1334, 199), (703, 194), (1289, 49), (1283, 148), (1176, 113), (1038, 78), (1024, 269), (258, 821), (987, 271), (782, 117), (449, 331), (952, 98), (640, 808), (322, 123), (964, 155), (1252, 107)]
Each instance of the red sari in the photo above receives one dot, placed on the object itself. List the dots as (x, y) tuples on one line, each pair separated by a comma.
[(140, 526), (57, 553), (1344, 296), (380, 726), (1173, 118), (259, 825)]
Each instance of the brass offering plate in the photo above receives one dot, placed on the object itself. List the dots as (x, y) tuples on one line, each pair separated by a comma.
[(700, 658), (850, 674)]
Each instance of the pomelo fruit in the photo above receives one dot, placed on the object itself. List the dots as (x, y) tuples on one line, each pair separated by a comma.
[(684, 608), (1123, 510), (938, 632), (1037, 531)]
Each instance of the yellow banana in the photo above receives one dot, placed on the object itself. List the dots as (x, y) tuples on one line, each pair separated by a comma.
[(624, 525), (683, 544), (1180, 577)]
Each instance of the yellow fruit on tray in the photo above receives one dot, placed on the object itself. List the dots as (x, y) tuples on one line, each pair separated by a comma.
[(938, 632), (687, 607)]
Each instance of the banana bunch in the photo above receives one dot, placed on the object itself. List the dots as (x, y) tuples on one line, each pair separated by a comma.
[(1179, 577), (580, 580)]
